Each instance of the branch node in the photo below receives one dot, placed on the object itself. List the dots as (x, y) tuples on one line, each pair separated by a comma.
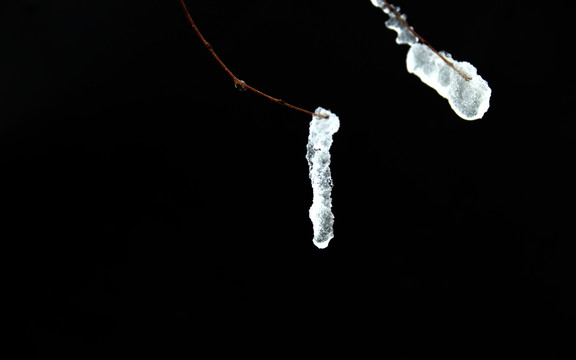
[(240, 85)]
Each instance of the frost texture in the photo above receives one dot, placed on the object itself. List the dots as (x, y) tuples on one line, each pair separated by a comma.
[(469, 99), (318, 156)]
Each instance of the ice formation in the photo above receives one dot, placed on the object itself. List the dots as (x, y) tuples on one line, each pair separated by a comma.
[(318, 156), (469, 99)]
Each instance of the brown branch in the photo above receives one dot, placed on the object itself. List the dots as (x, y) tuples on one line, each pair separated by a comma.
[(239, 84), (401, 19)]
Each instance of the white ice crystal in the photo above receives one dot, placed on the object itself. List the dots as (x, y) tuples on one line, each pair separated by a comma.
[(469, 99), (318, 156)]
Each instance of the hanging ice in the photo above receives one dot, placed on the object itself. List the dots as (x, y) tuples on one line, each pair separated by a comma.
[(318, 156), (469, 99)]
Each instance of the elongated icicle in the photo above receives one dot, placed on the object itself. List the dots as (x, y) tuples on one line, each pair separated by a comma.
[(318, 156)]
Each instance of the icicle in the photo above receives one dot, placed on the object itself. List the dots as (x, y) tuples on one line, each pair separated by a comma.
[(318, 156)]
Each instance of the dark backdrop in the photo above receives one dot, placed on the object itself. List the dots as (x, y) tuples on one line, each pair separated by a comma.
[(157, 210)]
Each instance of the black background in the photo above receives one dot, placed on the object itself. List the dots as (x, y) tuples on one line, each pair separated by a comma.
[(158, 211)]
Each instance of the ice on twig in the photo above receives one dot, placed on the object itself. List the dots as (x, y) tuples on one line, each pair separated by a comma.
[(469, 98), (405, 36), (318, 156)]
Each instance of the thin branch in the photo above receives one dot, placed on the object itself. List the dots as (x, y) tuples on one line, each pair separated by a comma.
[(239, 84), (401, 19)]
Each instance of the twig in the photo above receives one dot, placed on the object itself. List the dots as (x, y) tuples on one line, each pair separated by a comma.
[(401, 19), (239, 84)]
